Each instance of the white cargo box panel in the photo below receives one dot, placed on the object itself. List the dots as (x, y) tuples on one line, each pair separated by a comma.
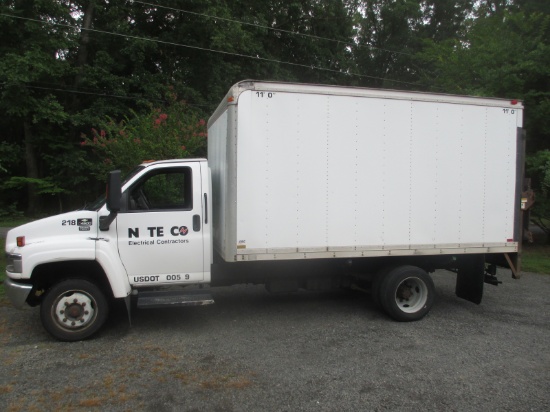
[(304, 171)]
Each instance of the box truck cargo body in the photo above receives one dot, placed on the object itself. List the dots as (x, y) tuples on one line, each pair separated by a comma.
[(305, 187), (304, 172)]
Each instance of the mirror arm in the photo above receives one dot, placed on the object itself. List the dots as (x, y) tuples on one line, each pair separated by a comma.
[(105, 221)]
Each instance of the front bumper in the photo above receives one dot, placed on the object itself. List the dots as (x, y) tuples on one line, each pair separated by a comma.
[(17, 292)]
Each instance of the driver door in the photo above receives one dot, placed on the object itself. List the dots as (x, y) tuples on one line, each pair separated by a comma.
[(160, 235)]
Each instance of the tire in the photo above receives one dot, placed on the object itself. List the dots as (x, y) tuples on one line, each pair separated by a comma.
[(376, 284), (407, 293), (73, 310)]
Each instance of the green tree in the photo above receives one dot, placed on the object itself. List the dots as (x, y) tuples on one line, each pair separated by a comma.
[(31, 59), (391, 32), (386, 41), (174, 131), (538, 168)]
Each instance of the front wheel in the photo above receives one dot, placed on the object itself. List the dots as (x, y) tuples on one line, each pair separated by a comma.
[(73, 310), (407, 293)]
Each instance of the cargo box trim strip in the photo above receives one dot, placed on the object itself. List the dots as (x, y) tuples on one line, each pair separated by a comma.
[(369, 251)]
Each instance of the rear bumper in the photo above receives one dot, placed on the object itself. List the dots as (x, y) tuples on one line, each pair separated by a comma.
[(17, 292)]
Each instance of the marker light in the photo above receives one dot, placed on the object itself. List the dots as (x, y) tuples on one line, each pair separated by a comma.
[(20, 241), (514, 102)]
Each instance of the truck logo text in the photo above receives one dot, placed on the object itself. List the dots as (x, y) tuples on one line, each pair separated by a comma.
[(158, 231)]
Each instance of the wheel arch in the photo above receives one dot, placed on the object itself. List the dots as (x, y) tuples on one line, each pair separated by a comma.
[(46, 275)]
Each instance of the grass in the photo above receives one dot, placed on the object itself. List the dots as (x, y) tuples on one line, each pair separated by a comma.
[(6, 221), (15, 221), (535, 258), (2, 267)]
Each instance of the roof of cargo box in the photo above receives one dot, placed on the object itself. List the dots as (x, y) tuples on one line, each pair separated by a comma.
[(232, 97)]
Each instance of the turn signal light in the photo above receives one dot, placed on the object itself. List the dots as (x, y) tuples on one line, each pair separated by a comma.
[(20, 241)]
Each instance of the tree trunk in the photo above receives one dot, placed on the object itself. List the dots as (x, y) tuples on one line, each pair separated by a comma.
[(32, 170), (82, 59)]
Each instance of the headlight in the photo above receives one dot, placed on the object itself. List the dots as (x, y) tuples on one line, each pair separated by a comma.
[(14, 263)]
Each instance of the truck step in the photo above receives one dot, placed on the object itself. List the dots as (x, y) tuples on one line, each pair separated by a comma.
[(160, 299)]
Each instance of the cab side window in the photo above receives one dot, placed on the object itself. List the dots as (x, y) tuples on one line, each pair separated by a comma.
[(164, 189)]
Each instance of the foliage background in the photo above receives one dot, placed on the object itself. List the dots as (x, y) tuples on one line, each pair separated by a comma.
[(70, 66)]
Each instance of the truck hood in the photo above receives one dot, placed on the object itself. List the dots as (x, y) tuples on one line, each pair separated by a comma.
[(72, 227)]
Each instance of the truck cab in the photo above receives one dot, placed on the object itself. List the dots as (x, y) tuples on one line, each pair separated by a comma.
[(157, 234)]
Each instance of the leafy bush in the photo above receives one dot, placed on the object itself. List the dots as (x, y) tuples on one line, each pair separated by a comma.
[(174, 131), (10, 212), (538, 168)]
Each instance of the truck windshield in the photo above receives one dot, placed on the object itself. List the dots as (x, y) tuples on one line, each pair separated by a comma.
[(100, 201)]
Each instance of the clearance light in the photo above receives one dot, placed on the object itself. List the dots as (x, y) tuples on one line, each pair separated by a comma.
[(20, 241), (514, 102), (148, 161), (230, 99)]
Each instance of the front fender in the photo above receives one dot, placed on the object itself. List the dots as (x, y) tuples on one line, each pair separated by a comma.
[(55, 251), (109, 260)]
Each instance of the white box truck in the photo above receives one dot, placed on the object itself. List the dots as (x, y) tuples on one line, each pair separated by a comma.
[(305, 187)]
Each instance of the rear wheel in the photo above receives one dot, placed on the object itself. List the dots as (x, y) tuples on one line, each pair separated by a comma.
[(376, 284), (73, 310), (407, 293)]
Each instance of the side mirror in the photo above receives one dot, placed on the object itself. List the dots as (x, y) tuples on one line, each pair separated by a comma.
[(114, 194), (114, 191)]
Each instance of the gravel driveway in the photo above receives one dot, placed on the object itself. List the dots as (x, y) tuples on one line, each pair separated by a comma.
[(252, 351)]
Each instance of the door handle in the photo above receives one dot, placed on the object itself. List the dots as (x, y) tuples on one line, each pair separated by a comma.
[(205, 209), (196, 223)]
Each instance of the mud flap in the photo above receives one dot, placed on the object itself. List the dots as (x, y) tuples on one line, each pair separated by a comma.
[(128, 302), (470, 277)]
